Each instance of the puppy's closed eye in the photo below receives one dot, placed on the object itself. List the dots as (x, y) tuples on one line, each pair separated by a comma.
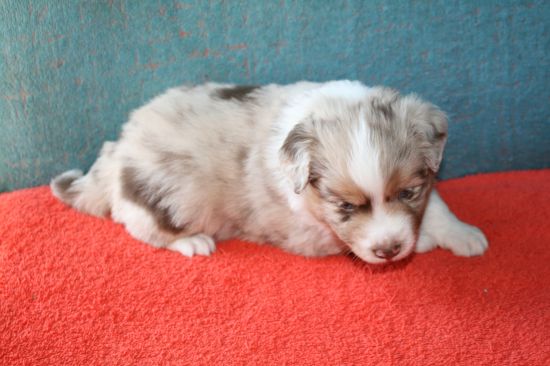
[(409, 194), (350, 208), (347, 207)]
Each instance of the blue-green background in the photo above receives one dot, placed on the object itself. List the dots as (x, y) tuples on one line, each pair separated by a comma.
[(70, 71)]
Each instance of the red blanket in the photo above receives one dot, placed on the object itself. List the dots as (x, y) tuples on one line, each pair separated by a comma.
[(75, 289)]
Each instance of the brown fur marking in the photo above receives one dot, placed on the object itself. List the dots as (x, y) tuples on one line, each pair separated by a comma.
[(240, 92), (137, 190)]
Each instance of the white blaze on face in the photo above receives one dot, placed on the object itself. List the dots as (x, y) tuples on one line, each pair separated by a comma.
[(384, 227), (364, 162)]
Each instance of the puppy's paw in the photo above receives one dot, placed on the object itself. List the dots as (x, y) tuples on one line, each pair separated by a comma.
[(465, 240), (425, 243), (199, 244)]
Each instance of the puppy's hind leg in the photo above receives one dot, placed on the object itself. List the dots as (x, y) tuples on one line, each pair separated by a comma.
[(144, 225), (440, 227)]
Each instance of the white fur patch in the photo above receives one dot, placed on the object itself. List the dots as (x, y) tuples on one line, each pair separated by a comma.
[(364, 163)]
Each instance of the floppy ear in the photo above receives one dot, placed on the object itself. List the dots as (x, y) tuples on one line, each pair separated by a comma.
[(431, 128), (295, 155)]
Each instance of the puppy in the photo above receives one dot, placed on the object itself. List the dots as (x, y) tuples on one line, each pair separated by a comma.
[(314, 168)]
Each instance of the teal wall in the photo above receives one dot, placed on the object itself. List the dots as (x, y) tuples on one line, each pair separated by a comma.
[(70, 71)]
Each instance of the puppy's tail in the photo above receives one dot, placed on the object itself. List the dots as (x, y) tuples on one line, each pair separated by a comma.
[(90, 193)]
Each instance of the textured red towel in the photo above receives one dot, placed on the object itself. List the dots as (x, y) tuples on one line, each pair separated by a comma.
[(75, 289)]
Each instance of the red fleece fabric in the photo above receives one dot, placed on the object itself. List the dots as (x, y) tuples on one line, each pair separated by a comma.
[(76, 289)]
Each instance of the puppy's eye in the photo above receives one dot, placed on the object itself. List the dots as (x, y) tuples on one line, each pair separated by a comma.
[(348, 207), (407, 194)]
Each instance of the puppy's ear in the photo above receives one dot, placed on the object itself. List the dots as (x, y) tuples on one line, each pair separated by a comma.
[(295, 155), (430, 127)]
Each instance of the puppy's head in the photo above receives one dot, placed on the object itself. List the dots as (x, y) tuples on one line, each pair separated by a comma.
[(365, 165)]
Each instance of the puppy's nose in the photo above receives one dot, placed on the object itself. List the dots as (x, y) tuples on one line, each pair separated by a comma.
[(387, 251)]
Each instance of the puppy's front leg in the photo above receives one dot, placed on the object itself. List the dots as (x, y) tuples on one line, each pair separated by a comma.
[(440, 227)]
